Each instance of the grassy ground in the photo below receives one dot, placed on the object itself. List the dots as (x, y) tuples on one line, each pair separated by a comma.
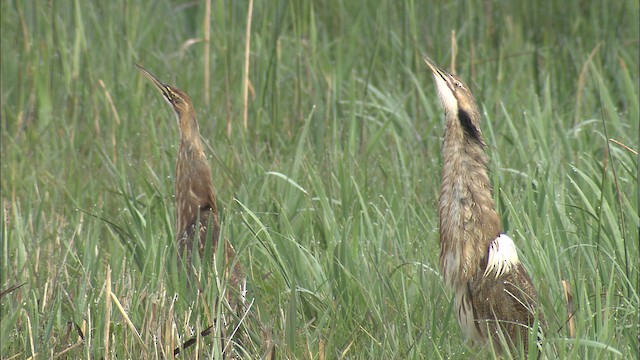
[(330, 193)]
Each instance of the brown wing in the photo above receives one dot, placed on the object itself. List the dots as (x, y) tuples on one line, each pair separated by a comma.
[(197, 230), (511, 296), (196, 207)]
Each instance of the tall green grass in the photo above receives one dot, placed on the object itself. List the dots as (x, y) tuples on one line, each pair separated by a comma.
[(329, 196)]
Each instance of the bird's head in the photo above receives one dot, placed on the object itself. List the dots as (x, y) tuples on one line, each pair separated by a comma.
[(179, 101), (456, 99)]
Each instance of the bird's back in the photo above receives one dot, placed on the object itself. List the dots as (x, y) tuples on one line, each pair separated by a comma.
[(507, 304)]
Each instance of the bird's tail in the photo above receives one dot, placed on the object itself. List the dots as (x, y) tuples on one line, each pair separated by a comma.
[(502, 257)]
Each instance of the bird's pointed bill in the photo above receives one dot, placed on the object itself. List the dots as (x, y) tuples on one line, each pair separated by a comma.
[(442, 79), (163, 88), (150, 76)]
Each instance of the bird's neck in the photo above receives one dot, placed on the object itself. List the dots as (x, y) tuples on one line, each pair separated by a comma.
[(193, 174), (193, 184), (189, 130), (465, 175), (468, 219), (191, 144), (191, 157)]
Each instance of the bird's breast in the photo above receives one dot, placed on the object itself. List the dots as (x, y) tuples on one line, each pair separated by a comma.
[(468, 221)]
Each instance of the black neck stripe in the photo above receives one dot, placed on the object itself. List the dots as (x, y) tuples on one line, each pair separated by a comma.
[(469, 129)]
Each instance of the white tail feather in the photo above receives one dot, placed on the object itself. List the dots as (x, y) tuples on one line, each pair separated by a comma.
[(503, 255)]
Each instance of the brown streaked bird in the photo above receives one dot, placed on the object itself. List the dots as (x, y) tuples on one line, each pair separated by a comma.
[(196, 209), (493, 293)]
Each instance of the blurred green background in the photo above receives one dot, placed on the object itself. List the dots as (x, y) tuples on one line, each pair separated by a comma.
[(330, 193)]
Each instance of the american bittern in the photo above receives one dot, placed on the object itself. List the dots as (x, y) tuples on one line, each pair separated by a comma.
[(196, 209), (493, 292)]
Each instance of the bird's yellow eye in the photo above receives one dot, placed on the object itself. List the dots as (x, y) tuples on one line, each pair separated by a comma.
[(173, 96), (458, 84)]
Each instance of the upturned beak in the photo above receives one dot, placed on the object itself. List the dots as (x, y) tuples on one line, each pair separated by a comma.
[(158, 84), (437, 71)]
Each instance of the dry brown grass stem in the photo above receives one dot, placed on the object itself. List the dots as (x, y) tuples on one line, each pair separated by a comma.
[(245, 88)]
